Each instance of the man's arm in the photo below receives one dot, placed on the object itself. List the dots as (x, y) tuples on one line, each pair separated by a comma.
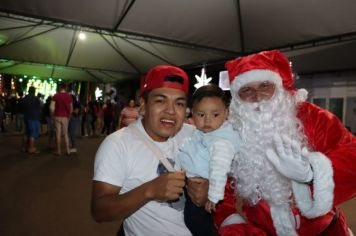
[(108, 205)]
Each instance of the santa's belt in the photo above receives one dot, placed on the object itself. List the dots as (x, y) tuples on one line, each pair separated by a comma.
[(332, 222)]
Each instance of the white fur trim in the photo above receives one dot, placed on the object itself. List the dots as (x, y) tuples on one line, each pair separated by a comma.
[(254, 76), (233, 219), (301, 95), (323, 183)]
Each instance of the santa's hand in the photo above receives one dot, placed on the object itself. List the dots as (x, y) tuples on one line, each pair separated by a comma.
[(288, 160)]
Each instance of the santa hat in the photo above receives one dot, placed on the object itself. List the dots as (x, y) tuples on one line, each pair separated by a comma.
[(267, 65), (165, 76)]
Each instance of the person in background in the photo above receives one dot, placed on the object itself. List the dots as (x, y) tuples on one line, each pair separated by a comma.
[(99, 120), (19, 113), (117, 111), (129, 114), (43, 122), (31, 107), (73, 125), (129, 181), (46, 113), (88, 119), (2, 115), (108, 111), (62, 105), (94, 108)]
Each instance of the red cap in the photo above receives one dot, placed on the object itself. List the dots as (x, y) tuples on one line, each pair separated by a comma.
[(273, 61), (157, 78)]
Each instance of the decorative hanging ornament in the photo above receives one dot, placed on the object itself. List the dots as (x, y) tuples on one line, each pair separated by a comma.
[(202, 79), (98, 93)]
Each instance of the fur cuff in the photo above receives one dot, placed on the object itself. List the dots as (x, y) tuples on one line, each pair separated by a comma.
[(301, 95), (322, 200), (254, 76), (233, 219)]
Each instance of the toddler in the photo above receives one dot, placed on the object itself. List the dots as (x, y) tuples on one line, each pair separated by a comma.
[(208, 153)]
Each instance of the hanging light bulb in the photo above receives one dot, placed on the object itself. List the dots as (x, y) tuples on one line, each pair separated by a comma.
[(82, 36)]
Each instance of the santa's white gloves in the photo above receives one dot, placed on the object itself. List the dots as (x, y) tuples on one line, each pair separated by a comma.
[(290, 160)]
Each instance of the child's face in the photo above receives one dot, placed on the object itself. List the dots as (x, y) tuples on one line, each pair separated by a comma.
[(209, 114)]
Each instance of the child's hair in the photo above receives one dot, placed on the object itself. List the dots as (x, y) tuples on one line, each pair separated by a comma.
[(210, 90)]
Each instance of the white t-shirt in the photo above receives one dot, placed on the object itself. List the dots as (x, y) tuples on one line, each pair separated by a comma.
[(124, 160)]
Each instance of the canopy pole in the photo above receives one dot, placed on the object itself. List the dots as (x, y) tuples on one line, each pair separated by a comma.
[(123, 15), (239, 15), (149, 52), (72, 46), (29, 37), (122, 55)]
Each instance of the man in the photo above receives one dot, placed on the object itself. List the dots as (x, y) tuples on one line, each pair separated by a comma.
[(63, 108), (296, 163), (31, 107), (128, 181)]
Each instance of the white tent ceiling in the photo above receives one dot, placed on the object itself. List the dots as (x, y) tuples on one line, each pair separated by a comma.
[(125, 38)]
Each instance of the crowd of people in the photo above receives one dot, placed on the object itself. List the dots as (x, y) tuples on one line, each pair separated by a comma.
[(62, 118)]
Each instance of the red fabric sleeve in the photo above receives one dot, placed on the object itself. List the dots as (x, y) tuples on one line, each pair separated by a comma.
[(241, 230), (327, 135)]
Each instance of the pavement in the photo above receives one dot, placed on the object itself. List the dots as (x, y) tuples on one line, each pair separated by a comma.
[(48, 195), (45, 194)]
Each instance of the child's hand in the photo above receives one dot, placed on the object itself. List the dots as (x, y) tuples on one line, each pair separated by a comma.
[(210, 206)]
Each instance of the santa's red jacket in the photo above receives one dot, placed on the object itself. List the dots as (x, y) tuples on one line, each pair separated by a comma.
[(315, 206)]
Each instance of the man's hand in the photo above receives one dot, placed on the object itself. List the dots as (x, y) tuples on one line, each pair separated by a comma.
[(289, 161), (197, 189), (168, 186)]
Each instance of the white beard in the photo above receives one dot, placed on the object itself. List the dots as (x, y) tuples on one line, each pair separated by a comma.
[(255, 176)]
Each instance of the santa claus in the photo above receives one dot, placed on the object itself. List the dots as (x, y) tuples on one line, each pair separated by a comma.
[(296, 163)]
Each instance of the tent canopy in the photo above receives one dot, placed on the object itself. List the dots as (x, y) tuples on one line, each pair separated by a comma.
[(126, 38)]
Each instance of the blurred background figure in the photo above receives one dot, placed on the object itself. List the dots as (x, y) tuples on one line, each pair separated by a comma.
[(47, 116), (2, 116), (99, 118), (117, 112), (87, 120), (43, 123), (129, 114), (62, 106), (19, 113), (74, 123), (31, 107), (108, 111)]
